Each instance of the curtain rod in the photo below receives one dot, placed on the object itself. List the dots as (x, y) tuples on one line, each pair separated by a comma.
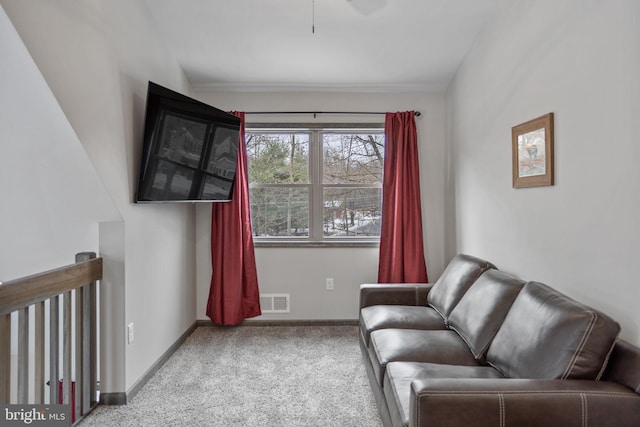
[(315, 113)]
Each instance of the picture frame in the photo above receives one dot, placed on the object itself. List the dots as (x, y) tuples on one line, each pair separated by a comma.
[(532, 152)]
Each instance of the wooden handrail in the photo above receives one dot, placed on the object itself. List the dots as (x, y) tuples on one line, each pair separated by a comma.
[(20, 293), (54, 289)]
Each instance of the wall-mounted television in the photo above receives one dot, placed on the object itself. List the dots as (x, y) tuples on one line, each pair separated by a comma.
[(189, 150)]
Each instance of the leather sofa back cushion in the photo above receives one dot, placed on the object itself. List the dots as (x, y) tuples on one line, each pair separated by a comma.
[(461, 272), (482, 309), (547, 335)]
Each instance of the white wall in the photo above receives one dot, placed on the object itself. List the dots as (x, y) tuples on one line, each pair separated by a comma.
[(97, 56), (51, 198), (301, 272), (579, 59)]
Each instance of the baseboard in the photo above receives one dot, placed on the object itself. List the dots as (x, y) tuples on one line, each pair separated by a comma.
[(320, 322), (113, 398), (158, 364)]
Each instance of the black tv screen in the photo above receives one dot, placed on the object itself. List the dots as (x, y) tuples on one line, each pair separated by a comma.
[(189, 150)]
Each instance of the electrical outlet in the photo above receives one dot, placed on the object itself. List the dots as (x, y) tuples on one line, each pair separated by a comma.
[(329, 283), (130, 333)]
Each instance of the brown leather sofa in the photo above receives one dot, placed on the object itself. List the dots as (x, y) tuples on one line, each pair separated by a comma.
[(483, 348)]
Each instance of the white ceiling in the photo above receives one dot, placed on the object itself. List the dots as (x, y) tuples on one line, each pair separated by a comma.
[(258, 44)]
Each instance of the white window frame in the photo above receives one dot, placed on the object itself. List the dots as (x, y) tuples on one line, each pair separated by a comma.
[(315, 186)]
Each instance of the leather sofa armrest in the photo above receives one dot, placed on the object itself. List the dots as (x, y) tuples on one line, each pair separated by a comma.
[(517, 402), (394, 294)]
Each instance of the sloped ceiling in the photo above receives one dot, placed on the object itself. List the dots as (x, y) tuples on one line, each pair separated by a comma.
[(51, 196)]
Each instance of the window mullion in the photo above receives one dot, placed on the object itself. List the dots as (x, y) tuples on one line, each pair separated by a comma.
[(316, 211)]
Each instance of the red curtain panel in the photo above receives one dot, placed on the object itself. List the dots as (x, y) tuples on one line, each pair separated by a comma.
[(401, 249), (234, 294)]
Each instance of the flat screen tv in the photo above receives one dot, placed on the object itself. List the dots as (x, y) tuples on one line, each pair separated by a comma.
[(189, 150)]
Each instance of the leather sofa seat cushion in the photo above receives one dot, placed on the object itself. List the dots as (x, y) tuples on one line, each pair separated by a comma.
[(482, 309), (547, 335), (411, 345), (398, 316), (454, 281), (400, 375)]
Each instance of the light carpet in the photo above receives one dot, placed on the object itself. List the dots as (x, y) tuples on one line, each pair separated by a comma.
[(255, 376)]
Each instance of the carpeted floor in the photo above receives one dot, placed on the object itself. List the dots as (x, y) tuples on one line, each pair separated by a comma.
[(255, 376)]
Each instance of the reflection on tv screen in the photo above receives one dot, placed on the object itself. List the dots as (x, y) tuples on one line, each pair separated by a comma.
[(190, 150)]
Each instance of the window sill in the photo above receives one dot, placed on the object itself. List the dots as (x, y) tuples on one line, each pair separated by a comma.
[(315, 244)]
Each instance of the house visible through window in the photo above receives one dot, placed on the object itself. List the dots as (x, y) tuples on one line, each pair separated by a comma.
[(315, 183)]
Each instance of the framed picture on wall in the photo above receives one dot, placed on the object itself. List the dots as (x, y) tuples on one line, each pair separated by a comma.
[(532, 149)]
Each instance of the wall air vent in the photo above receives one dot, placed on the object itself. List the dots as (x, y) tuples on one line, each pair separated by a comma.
[(274, 303)]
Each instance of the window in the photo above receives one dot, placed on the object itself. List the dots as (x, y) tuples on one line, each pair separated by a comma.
[(315, 183)]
